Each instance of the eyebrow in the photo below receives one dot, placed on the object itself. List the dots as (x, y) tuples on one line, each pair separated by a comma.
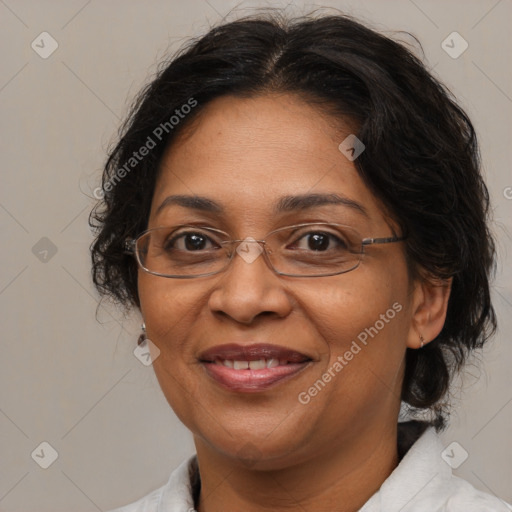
[(284, 204)]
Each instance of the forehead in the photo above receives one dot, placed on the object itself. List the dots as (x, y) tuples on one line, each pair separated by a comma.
[(248, 153)]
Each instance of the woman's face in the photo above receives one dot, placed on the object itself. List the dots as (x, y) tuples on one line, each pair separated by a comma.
[(246, 154)]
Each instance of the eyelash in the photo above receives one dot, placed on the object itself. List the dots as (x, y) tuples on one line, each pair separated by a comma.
[(168, 244)]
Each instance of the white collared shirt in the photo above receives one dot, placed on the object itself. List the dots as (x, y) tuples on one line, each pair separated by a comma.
[(422, 482)]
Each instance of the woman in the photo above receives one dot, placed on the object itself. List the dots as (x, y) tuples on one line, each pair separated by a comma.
[(296, 209)]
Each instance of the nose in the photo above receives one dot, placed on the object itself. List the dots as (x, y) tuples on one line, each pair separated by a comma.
[(249, 288)]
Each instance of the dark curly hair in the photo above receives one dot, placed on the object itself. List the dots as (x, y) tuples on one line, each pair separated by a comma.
[(421, 160)]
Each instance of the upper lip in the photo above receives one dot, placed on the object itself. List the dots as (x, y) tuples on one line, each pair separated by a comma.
[(252, 352)]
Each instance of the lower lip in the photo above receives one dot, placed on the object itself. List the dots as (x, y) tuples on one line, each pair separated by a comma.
[(252, 381)]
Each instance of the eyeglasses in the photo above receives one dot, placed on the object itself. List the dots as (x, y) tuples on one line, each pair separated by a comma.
[(302, 250)]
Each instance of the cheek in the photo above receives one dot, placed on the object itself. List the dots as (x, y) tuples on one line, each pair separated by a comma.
[(169, 309), (362, 325), (161, 298), (362, 319)]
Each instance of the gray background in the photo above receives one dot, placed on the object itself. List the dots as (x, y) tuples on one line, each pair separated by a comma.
[(73, 381)]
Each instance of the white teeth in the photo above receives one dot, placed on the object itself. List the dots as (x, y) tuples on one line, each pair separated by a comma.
[(257, 365)]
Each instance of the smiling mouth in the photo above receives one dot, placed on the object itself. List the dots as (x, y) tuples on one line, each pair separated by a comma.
[(252, 368)]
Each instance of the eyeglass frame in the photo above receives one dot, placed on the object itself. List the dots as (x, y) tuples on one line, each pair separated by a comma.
[(131, 248)]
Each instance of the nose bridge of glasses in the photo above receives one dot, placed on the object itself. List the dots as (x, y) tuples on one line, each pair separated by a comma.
[(249, 248)]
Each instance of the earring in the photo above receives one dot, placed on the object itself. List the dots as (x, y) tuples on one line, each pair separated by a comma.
[(142, 337), (422, 341)]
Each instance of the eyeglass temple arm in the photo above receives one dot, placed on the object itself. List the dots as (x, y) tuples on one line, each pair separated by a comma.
[(129, 246), (369, 241)]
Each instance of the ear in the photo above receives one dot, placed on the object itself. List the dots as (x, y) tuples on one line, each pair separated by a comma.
[(429, 305)]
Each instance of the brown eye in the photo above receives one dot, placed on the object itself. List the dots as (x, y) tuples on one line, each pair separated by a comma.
[(189, 241), (320, 241)]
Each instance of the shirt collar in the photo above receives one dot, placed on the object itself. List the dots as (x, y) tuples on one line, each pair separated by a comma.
[(178, 494), (420, 471)]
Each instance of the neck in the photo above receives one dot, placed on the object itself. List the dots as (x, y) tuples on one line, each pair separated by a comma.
[(342, 479)]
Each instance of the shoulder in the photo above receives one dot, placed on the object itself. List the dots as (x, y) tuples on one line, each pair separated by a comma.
[(176, 494), (424, 482), (463, 497)]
